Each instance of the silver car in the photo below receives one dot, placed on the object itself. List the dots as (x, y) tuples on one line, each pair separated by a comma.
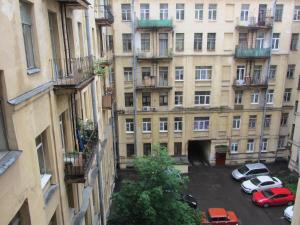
[(249, 171)]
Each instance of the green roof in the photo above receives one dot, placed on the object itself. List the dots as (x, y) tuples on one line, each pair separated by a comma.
[(155, 24)]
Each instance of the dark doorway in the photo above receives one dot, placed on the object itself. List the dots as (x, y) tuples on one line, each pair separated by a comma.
[(220, 159), (198, 152)]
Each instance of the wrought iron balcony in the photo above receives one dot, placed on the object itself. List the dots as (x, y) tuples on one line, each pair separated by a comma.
[(155, 24), (255, 23), (72, 73), (162, 54), (152, 82), (103, 15), (77, 4), (252, 53), (250, 82)]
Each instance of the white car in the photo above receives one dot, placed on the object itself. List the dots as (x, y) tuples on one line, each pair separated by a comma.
[(288, 213), (260, 183)]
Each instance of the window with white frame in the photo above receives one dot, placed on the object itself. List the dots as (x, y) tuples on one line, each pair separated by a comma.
[(198, 41), (257, 74), (272, 72), (287, 95), (284, 119), (250, 145), (281, 142), (127, 42), (252, 121), (145, 11), (236, 122), (145, 42), (264, 144), (297, 13), (199, 12), (240, 73), (146, 125), (127, 73), (211, 41), (126, 12), (178, 98), (267, 121), (201, 123), (260, 39), (270, 96), (202, 97), (163, 9), (234, 147), (203, 72), (212, 12), (278, 12), (163, 125), (291, 71), (179, 42), (179, 73), (294, 42), (255, 97), (179, 11), (244, 12), (178, 124), (129, 126), (275, 41), (238, 97), (163, 99)]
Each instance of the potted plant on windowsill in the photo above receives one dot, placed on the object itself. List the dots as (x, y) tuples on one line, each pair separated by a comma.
[(99, 68)]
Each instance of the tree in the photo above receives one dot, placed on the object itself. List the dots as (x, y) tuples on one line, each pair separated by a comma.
[(154, 197)]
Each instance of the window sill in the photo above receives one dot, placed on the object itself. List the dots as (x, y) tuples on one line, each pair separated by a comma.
[(33, 71), (45, 178), (200, 130), (129, 132), (233, 153), (249, 152), (146, 132), (179, 81), (203, 80), (163, 131), (177, 131)]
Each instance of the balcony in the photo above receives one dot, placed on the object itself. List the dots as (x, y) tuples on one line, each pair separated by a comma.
[(152, 83), (155, 24), (103, 15), (250, 82), (72, 73), (255, 23), (107, 101), (77, 4), (252, 53), (163, 55)]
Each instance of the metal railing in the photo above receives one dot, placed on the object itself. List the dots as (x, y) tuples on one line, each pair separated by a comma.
[(266, 21), (71, 71), (104, 13), (154, 24), (152, 82), (242, 52), (250, 81), (161, 53)]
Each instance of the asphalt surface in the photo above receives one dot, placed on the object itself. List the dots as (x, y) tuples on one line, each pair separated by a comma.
[(214, 187)]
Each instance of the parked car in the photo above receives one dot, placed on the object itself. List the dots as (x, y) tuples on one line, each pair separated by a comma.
[(288, 213), (260, 183), (190, 200), (249, 171), (273, 196), (219, 216)]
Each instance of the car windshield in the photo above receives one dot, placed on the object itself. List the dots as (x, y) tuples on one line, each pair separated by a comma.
[(268, 193), (255, 181), (243, 169)]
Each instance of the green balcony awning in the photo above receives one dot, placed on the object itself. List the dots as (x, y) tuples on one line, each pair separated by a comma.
[(154, 24)]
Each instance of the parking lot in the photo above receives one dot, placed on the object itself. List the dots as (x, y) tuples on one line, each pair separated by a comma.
[(214, 187)]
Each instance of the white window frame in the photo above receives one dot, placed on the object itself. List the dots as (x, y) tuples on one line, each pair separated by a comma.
[(178, 98), (287, 95), (255, 98), (180, 12), (144, 12), (203, 73), (244, 16), (126, 13), (202, 98), (199, 12), (275, 41), (163, 12), (250, 145), (163, 125), (234, 147), (127, 71), (145, 42), (212, 12), (238, 96), (236, 122), (260, 40), (240, 73), (272, 72), (177, 124), (129, 126), (179, 73), (201, 123), (252, 122), (146, 125), (296, 16), (264, 145), (270, 96)]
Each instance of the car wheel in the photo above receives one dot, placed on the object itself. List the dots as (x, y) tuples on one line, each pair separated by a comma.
[(253, 191), (290, 203), (266, 205)]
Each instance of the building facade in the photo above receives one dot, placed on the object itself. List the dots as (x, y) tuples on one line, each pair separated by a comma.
[(57, 155), (213, 81)]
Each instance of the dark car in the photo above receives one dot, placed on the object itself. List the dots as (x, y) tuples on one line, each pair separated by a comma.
[(190, 200)]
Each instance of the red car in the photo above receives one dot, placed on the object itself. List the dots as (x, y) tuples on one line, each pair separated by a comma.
[(219, 216), (273, 196)]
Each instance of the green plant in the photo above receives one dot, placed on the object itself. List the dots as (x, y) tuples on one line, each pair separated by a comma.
[(99, 68)]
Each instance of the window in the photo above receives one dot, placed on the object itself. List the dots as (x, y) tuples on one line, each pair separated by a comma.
[(146, 125), (179, 73), (281, 142), (272, 72), (126, 12), (178, 98), (145, 11), (284, 119), (177, 148), (127, 42), (163, 99), (146, 99), (243, 40), (296, 106), (255, 97), (178, 124), (202, 97), (240, 73), (127, 73), (252, 122), (146, 72), (163, 125), (267, 121), (179, 11), (147, 148), (163, 76), (27, 28), (62, 130), (291, 71), (236, 123), (250, 145), (198, 41), (179, 42), (260, 39), (294, 42), (199, 12), (145, 42), (203, 72), (130, 150), (211, 41), (164, 11), (297, 13), (234, 147), (257, 74), (275, 41), (278, 13), (270, 96), (287, 95), (264, 146), (238, 97), (129, 126), (110, 42), (201, 123), (212, 12), (244, 12), (128, 99)]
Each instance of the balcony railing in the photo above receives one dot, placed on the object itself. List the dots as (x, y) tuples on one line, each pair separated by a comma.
[(152, 83), (256, 23), (161, 54), (80, 4), (252, 53), (155, 24), (249, 82), (103, 15), (72, 72)]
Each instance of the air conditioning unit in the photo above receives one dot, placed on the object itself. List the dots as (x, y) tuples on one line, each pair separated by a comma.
[(146, 108)]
